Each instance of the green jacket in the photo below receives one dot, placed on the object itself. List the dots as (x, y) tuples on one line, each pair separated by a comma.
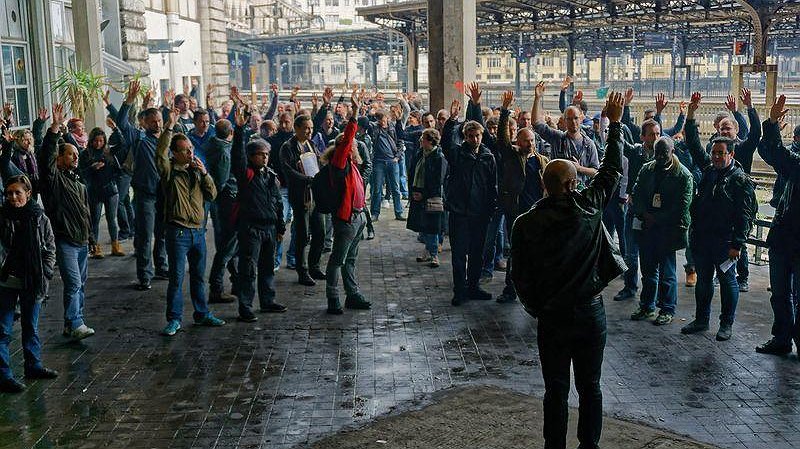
[(185, 189), (672, 218)]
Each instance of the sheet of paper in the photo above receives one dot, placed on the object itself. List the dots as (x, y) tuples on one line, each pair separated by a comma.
[(310, 164)]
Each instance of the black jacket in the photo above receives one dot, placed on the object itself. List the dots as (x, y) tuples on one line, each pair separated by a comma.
[(563, 255), (471, 184), (725, 204), (259, 196), (435, 172), (784, 236), (512, 168), (298, 183), (43, 264)]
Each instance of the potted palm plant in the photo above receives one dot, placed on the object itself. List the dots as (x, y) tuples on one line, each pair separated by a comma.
[(79, 89)]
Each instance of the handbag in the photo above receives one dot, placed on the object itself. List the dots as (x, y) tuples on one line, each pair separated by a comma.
[(434, 204)]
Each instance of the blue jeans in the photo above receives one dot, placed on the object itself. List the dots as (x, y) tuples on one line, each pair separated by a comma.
[(706, 262), (256, 250), (29, 320), (401, 166), (494, 243), (784, 269), (614, 221), (631, 276), (658, 276), (344, 253), (149, 226), (183, 244), (73, 266), (226, 245), (385, 172), (96, 206), (431, 243), (287, 217)]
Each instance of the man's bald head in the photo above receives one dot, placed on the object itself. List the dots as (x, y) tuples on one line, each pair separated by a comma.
[(560, 177)]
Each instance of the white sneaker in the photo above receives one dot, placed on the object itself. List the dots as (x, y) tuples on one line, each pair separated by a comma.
[(385, 204), (81, 332)]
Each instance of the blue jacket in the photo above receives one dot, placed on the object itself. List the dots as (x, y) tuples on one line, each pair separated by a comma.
[(143, 148)]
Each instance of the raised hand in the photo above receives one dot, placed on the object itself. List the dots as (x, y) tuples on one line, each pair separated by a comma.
[(577, 98), (314, 100), (614, 106), (58, 117), (169, 98), (133, 91), (295, 90), (355, 102), (147, 101), (778, 110), (7, 136), (106, 99), (694, 103), (682, 107), (730, 103), (327, 95), (455, 109), (43, 114), (507, 99), (539, 89), (110, 123), (239, 117), (273, 88), (474, 92), (628, 96), (566, 83), (661, 102), (747, 98), (172, 118)]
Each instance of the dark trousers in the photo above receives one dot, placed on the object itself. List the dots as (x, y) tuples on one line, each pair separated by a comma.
[(467, 235), (707, 261), (256, 252), (149, 227), (614, 221), (743, 266), (631, 276), (226, 245), (578, 339), (125, 214), (308, 222), (509, 289), (784, 269)]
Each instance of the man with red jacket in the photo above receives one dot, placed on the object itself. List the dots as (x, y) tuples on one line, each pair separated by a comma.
[(348, 221)]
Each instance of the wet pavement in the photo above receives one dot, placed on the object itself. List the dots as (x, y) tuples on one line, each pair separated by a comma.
[(293, 378)]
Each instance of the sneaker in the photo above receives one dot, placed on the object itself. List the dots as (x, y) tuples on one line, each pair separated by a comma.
[(643, 314), (41, 373), (172, 328), (479, 294), (273, 307), (744, 286), (458, 299), (334, 307), (317, 274), (434, 263), (143, 286), (221, 298), (624, 295), (357, 302), (370, 234), (691, 279), (211, 321), (247, 318), (724, 333), (774, 347), (506, 298), (11, 386), (326, 249), (500, 265), (662, 319), (694, 327), (385, 204), (424, 258), (485, 279), (81, 332)]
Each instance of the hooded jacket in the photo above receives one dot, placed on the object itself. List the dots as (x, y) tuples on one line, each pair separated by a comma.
[(471, 183)]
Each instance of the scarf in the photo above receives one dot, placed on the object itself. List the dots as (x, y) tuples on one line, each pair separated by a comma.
[(419, 170), (26, 161), (82, 140)]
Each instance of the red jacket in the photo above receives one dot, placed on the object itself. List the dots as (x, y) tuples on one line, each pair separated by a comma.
[(353, 195)]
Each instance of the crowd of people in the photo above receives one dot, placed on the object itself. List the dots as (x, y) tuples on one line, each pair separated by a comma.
[(282, 184)]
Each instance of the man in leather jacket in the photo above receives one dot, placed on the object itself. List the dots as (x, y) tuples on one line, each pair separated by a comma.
[(563, 258)]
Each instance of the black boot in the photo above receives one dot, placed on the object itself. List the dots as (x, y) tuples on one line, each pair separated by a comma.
[(304, 279), (334, 307)]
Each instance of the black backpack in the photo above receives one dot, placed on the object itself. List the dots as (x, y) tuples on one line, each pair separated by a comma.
[(328, 188)]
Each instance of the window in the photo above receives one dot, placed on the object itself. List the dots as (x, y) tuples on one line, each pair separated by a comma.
[(494, 62), (331, 2), (337, 69), (658, 59), (157, 5), (547, 61), (188, 9), (478, 61)]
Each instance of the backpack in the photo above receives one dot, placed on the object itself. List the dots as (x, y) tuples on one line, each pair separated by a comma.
[(327, 188)]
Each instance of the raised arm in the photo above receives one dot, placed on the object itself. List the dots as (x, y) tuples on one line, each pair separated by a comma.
[(162, 147), (503, 136), (562, 96), (49, 154), (771, 149), (7, 168), (39, 128), (273, 104), (449, 131), (601, 187), (699, 155), (130, 133)]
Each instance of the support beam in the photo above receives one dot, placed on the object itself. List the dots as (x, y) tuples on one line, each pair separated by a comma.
[(412, 63), (214, 47), (762, 14), (374, 58), (518, 69), (603, 67), (451, 48), (571, 41), (88, 51)]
